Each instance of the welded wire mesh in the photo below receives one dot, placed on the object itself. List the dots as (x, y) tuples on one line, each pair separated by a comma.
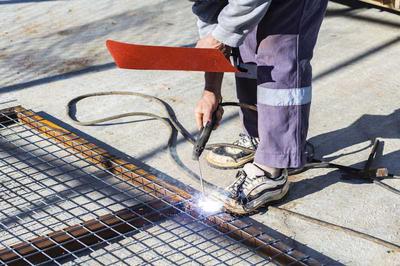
[(48, 189)]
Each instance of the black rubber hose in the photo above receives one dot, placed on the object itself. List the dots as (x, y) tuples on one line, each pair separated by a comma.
[(174, 126), (169, 120)]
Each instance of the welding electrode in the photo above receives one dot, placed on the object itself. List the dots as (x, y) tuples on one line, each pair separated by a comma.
[(201, 143)]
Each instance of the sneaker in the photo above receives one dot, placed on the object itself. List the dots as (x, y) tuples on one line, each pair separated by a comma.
[(234, 190), (255, 187), (231, 158)]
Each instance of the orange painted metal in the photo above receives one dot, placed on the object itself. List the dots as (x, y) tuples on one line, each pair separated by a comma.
[(144, 57)]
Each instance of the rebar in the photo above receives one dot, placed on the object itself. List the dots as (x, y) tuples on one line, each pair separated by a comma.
[(65, 199)]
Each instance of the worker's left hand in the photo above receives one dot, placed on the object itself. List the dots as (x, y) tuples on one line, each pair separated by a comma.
[(210, 42)]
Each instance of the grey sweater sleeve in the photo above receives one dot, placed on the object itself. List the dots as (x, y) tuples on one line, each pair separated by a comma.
[(233, 22), (207, 12)]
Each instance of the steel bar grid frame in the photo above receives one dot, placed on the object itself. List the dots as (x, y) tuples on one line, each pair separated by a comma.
[(64, 200)]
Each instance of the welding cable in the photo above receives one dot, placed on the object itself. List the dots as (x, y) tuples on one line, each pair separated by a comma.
[(174, 126), (169, 120), (386, 186)]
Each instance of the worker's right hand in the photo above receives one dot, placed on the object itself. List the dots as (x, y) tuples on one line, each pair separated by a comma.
[(208, 103)]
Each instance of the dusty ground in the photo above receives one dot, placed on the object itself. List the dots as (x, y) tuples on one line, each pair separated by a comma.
[(51, 51)]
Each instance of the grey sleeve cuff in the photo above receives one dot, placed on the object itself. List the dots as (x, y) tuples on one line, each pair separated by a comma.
[(205, 28), (237, 19), (226, 37)]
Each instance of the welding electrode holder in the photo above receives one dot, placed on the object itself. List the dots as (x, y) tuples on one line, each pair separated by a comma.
[(204, 136), (205, 131)]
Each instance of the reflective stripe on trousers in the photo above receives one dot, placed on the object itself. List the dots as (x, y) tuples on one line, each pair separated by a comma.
[(278, 52)]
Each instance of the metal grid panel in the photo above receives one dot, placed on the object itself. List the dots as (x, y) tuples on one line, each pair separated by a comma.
[(60, 206)]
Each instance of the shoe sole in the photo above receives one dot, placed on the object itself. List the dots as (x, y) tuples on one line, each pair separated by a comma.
[(252, 206), (233, 165), (267, 198)]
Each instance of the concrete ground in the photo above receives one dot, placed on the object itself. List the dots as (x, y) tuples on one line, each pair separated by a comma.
[(52, 51)]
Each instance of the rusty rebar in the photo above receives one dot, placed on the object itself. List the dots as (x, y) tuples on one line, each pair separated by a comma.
[(172, 195)]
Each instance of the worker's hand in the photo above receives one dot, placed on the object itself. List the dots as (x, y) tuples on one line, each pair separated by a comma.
[(206, 107), (210, 42), (212, 91)]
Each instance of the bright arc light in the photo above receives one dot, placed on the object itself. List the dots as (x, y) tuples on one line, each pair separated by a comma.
[(209, 205)]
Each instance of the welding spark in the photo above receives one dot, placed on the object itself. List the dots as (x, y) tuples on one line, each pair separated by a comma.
[(209, 205)]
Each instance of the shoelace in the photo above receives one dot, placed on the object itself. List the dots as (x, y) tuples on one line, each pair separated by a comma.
[(245, 141), (249, 181), (236, 186)]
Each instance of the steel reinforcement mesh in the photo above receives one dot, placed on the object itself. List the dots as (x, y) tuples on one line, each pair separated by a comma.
[(58, 207)]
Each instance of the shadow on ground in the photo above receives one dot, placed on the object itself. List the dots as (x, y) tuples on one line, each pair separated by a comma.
[(364, 130), (74, 50), (46, 60)]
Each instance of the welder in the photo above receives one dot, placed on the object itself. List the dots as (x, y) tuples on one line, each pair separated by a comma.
[(274, 42)]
